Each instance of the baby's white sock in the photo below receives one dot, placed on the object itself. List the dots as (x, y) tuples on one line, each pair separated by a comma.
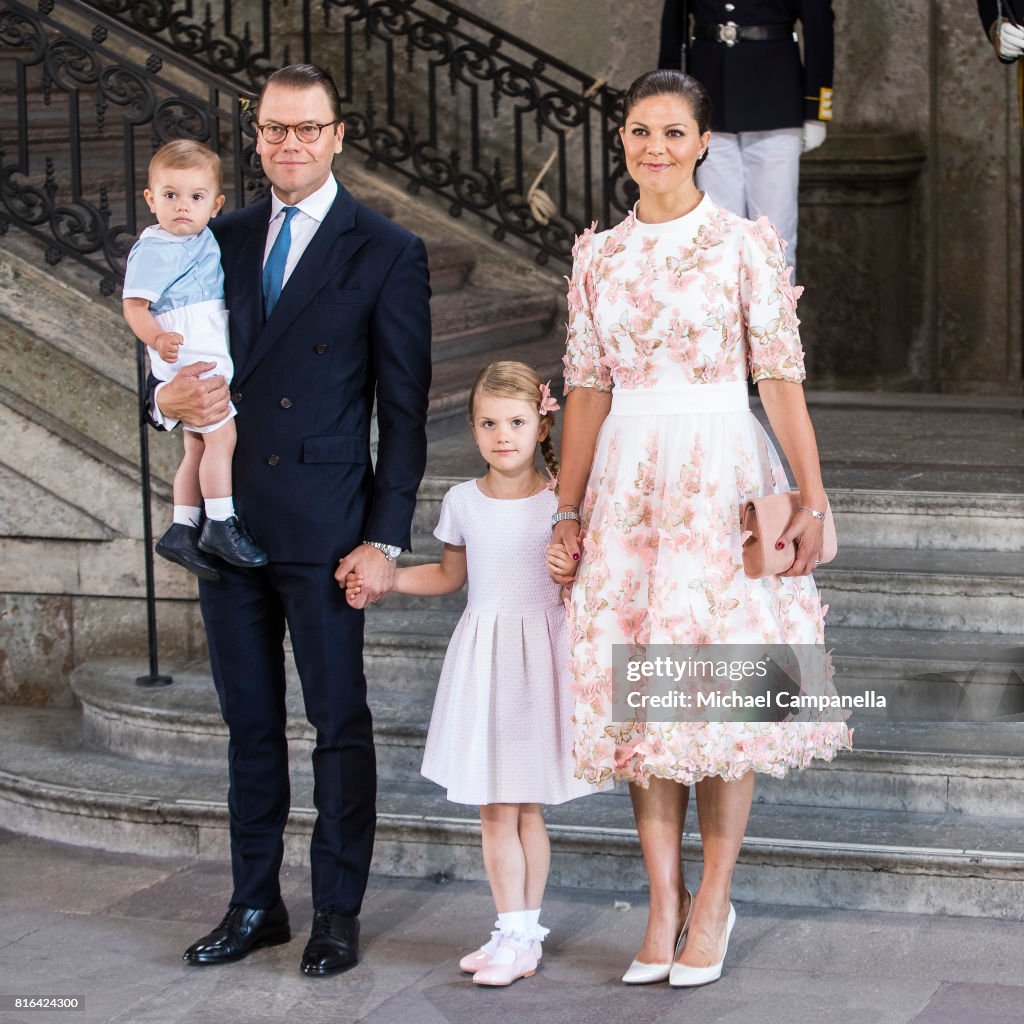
[(220, 509), (187, 515)]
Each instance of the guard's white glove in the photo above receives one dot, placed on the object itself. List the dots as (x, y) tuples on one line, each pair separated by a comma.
[(814, 135), (1010, 41)]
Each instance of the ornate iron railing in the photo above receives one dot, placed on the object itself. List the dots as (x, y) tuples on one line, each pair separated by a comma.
[(88, 103), (453, 103)]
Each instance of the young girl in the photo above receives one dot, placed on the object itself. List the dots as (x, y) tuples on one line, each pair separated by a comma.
[(500, 734), (174, 302)]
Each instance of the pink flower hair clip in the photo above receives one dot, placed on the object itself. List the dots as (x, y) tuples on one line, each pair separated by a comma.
[(547, 403)]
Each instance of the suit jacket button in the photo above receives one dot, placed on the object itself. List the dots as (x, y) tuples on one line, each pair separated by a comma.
[(273, 460), (286, 403), (320, 349), (236, 396)]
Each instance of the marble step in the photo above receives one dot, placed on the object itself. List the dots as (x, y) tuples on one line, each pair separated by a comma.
[(874, 588), (479, 320), (55, 786), (922, 589), (864, 518), (923, 674), (912, 766)]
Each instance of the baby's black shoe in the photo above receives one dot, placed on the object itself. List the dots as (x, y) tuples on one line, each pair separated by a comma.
[(180, 544), (228, 539)]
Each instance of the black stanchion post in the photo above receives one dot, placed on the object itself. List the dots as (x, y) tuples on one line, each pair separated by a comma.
[(154, 678)]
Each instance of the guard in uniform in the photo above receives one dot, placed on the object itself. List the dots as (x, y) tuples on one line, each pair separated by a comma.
[(767, 106), (1003, 21)]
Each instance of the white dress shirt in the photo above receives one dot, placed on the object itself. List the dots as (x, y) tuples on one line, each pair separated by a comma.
[(312, 211)]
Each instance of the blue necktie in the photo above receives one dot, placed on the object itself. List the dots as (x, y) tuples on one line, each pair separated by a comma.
[(273, 271)]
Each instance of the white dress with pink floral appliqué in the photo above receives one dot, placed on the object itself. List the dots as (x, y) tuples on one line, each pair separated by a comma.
[(669, 317)]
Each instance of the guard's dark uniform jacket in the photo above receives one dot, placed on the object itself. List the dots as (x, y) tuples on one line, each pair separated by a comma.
[(756, 85)]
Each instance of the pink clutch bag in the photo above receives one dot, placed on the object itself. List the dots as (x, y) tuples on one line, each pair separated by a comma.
[(762, 521)]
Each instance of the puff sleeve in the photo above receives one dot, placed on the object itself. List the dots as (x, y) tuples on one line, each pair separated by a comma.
[(153, 266), (448, 529), (583, 353), (769, 307)]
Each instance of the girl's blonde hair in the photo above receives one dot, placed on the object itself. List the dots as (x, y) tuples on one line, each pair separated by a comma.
[(508, 379)]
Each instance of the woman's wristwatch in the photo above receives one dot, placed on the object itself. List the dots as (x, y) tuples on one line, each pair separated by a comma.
[(572, 514)]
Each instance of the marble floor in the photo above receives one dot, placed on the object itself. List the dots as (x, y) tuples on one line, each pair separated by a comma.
[(111, 928)]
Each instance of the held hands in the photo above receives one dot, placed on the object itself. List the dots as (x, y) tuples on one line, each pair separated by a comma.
[(353, 588), (563, 553), (366, 576), (807, 535), (167, 344)]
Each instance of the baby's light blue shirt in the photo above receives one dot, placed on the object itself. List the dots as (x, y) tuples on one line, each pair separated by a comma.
[(172, 271)]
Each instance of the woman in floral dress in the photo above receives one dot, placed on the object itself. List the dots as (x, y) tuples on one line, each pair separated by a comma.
[(669, 311)]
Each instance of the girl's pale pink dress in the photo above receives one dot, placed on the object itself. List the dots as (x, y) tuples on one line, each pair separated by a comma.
[(669, 318), (501, 728)]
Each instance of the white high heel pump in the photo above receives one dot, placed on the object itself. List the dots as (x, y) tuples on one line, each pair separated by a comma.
[(640, 973), (685, 976)]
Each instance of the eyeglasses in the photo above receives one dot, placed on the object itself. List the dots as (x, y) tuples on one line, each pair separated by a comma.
[(308, 131)]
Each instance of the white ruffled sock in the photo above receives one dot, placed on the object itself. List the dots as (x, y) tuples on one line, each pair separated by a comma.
[(491, 946), (535, 931), (512, 925)]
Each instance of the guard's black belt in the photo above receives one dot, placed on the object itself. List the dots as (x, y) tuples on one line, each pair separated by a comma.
[(731, 33)]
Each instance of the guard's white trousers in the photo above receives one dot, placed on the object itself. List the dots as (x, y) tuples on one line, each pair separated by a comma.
[(757, 173)]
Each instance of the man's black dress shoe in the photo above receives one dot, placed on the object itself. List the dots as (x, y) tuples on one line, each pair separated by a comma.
[(242, 930), (180, 544), (333, 944), (228, 539)]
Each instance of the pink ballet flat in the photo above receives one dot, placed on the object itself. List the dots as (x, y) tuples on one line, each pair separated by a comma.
[(472, 962), (509, 963)]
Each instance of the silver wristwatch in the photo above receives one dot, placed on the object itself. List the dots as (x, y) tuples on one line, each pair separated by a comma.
[(389, 551), (560, 517)]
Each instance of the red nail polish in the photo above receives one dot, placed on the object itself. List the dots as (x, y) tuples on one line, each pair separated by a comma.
[(575, 558), (780, 545)]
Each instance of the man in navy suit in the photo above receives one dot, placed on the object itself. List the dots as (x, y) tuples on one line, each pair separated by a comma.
[(329, 307)]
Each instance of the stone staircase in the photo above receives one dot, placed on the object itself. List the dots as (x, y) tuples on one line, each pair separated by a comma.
[(922, 816)]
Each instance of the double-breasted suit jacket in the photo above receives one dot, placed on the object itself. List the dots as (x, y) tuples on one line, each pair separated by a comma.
[(352, 322)]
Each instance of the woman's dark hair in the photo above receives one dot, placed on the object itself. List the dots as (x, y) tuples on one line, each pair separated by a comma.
[(306, 76), (671, 82)]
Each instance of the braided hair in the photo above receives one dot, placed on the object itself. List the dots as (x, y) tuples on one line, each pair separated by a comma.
[(510, 379)]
